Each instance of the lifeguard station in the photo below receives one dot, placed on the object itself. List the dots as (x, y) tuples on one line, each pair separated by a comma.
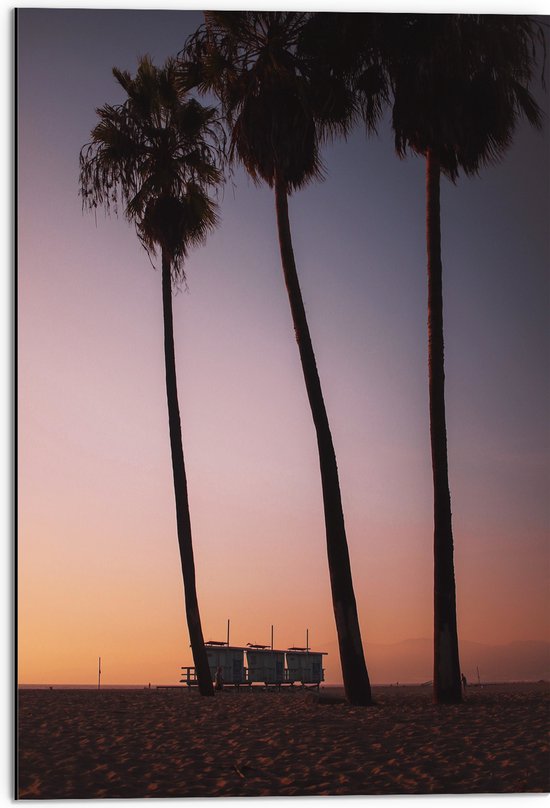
[(305, 666), (264, 665), (227, 657)]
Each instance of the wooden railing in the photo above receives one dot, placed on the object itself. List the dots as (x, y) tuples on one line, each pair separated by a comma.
[(189, 676)]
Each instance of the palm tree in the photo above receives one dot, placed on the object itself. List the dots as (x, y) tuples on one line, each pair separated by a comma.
[(158, 155), (460, 84), (279, 104)]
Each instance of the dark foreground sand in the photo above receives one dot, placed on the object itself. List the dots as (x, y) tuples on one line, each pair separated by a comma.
[(172, 743)]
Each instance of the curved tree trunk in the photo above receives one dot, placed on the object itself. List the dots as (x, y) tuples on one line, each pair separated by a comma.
[(354, 669), (180, 488), (447, 681)]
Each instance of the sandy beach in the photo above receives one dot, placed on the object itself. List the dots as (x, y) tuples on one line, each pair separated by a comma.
[(173, 743)]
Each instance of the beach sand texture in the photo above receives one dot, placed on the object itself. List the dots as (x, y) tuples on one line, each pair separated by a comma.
[(173, 743)]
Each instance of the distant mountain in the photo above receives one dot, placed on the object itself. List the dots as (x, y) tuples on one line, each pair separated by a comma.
[(412, 661), (517, 661)]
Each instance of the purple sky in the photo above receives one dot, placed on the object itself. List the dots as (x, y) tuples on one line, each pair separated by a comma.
[(98, 569)]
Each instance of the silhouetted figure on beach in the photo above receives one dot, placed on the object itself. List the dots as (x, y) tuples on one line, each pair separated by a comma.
[(218, 680), (464, 683)]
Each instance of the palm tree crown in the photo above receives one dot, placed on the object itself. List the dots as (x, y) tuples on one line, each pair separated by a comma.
[(280, 102), (157, 154), (460, 85)]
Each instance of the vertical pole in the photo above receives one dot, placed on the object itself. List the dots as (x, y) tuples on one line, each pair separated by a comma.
[(99, 674), (228, 621), (272, 638), (307, 640), (478, 679)]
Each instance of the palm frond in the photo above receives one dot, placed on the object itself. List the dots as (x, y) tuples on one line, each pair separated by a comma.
[(460, 83), (279, 102), (159, 155)]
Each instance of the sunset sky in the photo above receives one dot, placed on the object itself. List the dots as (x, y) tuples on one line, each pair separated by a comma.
[(99, 571)]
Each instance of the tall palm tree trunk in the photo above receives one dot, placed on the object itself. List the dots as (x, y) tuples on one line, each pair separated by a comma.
[(183, 519), (447, 681), (354, 669)]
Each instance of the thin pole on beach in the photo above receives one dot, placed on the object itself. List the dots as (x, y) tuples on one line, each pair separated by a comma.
[(307, 640), (99, 674), (478, 677), (272, 638), (228, 622)]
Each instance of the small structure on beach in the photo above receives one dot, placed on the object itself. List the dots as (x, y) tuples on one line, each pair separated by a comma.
[(227, 657), (265, 665), (305, 666), (260, 664)]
